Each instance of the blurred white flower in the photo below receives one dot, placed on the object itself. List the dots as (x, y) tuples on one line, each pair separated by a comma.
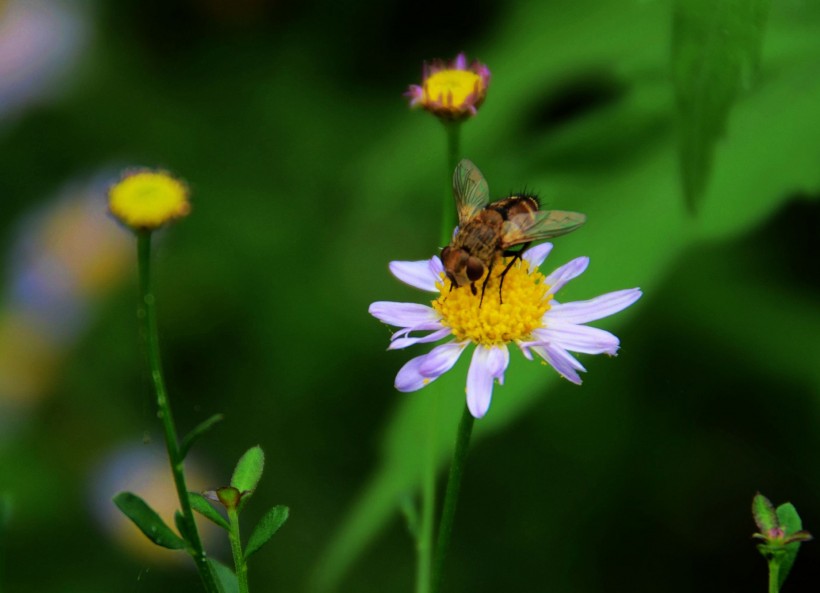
[(40, 42)]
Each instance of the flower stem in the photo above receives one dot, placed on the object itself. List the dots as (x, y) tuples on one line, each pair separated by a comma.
[(774, 575), (4, 512), (448, 216), (147, 314), (448, 513), (424, 544), (236, 548)]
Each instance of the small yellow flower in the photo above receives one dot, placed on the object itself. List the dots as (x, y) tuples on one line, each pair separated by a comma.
[(451, 91), (146, 200)]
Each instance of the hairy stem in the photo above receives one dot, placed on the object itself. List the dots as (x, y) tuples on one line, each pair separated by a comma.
[(774, 575)]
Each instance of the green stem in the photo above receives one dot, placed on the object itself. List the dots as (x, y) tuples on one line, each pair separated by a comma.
[(448, 513), (147, 314), (774, 575), (236, 549), (4, 512), (424, 544), (448, 216)]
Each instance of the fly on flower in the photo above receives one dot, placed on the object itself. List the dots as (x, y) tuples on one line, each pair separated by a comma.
[(529, 317), (486, 232)]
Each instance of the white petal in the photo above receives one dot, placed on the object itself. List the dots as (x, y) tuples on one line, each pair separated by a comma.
[(560, 360), (498, 362), (566, 273), (569, 358), (403, 314), (579, 338), (487, 365), (417, 274), (428, 326), (441, 358), (436, 267), (409, 378), (433, 337), (421, 370), (526, 349), (536, 255), (593, 309)]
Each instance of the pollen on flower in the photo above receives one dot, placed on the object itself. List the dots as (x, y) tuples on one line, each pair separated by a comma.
[(148, 199), (495, 320), (451, 88)]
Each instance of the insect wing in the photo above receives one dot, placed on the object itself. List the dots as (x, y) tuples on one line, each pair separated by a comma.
[(539, 225), (470, 190)]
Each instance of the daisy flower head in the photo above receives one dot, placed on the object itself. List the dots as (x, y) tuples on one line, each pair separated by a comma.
[(451, 91), (521, 309), (145, 200)]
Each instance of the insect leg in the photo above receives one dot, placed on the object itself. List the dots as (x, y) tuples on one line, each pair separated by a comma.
[(486, 280), (516, 255)]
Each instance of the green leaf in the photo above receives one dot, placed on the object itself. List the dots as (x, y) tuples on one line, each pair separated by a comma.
[(764, 514), (148, 521), (5, 510), (225, 578), (715, 50), (788, 518), (5, 518), (201, 505), (248, 470), (791, 524), (197, 432), (268, 525), (407, 504)]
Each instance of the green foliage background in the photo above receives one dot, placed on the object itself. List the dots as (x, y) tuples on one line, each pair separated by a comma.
[(309, 174)]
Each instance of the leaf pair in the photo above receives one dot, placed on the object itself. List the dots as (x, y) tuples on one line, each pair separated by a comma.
[(268, 525), (246, 476), (782, 531)]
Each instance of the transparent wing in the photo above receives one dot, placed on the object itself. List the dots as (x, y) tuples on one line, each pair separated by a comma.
[(470, 190), (539, 225)]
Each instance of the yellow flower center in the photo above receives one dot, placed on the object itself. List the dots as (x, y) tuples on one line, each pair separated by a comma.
[(148, 199), (451, 87), (495, 320)]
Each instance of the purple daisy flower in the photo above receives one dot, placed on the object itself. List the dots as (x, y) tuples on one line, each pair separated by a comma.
[(528, 315)]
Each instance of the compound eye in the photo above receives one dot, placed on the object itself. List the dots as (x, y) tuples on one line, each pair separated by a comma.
[(475, 269), (445, 252)]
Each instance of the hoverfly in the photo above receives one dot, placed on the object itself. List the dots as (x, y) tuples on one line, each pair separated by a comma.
[(487, 231)]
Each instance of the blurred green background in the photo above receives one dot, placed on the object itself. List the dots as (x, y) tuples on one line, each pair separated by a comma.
[(308, 174)]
